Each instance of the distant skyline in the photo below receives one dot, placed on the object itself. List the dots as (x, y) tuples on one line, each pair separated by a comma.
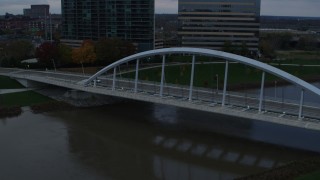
[(307, 8)]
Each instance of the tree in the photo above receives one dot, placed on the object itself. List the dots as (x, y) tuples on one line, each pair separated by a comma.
[(228, 47), (17, 51), (64, 54), (112, 49), (84, 54), (267, 49), (46, 53), (127, 49), (244, 50), (20, 49), (307, 43), (106, 51)]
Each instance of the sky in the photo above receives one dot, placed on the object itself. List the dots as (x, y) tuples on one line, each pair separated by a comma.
[(308, 8)]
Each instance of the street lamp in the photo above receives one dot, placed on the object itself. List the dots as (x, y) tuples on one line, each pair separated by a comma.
[(275, 89), (1, 50), (54, 65), (217, 77), (82, 67)]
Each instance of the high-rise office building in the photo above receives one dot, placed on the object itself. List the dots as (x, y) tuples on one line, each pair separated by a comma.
[(131, 20), (211, 23)]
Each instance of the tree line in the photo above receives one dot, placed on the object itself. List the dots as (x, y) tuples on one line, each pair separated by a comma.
[(49, 54), (272, 42)]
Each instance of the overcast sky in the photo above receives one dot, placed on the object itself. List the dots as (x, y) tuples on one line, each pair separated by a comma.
[(268, 7)]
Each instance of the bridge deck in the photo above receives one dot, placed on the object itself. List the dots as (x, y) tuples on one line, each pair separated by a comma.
[(238, 104)]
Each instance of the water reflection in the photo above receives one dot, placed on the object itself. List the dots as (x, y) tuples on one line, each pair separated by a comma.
[(132, 145), (135, 140)]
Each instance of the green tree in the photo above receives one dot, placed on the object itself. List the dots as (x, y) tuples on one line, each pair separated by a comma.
[(267, 49), (244, 50), (307, 43), (64, 54), (112, 49), (228, 47), (18, 50)]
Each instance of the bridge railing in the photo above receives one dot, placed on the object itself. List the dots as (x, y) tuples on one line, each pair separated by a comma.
[(244, 100)]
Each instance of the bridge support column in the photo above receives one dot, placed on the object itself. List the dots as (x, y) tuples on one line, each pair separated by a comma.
[(225, 84), (114, 78), (191, 78), (162, 74), (301, 104), (137, 76), (261, 91)]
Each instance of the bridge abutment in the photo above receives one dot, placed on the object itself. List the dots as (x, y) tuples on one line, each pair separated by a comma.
[(30, 84)]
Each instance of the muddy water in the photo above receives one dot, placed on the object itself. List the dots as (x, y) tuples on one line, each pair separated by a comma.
[(134, 140)]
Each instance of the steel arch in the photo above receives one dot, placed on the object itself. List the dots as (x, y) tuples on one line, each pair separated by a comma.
[(212, 53)]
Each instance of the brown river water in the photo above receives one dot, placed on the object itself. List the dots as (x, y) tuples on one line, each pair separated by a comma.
[(136, 140)]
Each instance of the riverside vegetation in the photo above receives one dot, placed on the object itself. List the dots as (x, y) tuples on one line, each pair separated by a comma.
[(10, 104)]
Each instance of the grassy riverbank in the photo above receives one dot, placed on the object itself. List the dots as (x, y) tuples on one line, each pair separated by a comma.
[(11, 103), (21, 99), (299, 57), (8, 83)]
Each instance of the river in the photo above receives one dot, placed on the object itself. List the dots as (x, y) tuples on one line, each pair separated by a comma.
[(136, 140)]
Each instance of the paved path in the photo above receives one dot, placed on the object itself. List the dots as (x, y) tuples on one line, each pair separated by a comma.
[(8, 91)]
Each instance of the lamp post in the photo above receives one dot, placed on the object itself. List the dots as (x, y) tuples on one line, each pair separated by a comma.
[(82, 67), (1, 55), (54, 65), (217, 77), (275, 89)]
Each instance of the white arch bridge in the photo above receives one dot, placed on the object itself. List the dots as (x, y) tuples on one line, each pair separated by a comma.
[(109, 81)]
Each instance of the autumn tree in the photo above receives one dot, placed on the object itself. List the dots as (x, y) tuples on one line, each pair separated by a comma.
[(47, 53), (84, 54)]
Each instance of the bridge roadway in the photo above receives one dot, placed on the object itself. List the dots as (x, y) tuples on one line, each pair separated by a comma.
[(203, 99)]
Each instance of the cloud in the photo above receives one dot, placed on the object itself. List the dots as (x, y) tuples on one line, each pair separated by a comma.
[(17, 6), (268, 7), (290, 7), (166, 6)]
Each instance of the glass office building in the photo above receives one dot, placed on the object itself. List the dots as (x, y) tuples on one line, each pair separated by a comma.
[(131, 20), (210, 23)]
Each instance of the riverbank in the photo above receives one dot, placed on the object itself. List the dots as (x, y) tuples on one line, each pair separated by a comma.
[(16, 97), (51, 107), (7, 112), (8, 83), (302, 170)]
